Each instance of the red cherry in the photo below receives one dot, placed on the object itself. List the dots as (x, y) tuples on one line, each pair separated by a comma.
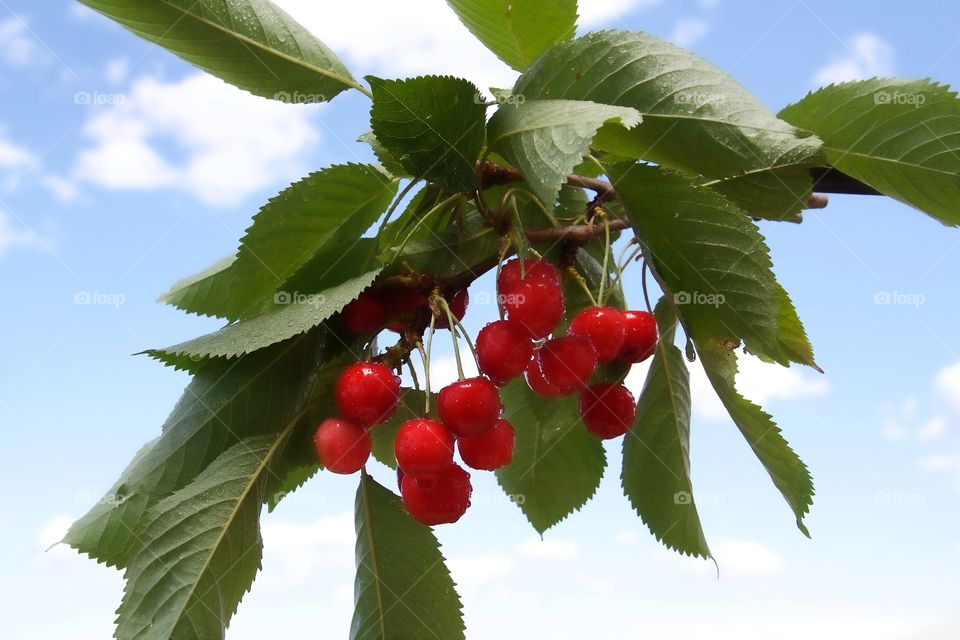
[(535, 306), (469, 407), (608, 410), (567, 362), (491, 450), (510, 274), (639, 336), (602, 327), (365, 315), (503, 351), (342, 446), (423, 446), (538, 383), (367, 393), (444, 502), (458, 307), (402, 303)]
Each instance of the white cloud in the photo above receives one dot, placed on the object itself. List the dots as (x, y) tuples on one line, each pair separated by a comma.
[(53, 531), (293, 551), (11, 237), (17, 47), (948, 384), (401, 39), (13, 157), (475, 571), (756, 380), (689, 31), (549, 548), (746, 558), (942, 462), (231, 143), (934, 429), (115, 70), (605, 13), (868, 55), (63, 190)]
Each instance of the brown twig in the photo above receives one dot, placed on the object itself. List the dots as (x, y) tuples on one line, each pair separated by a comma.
[(826, 180)]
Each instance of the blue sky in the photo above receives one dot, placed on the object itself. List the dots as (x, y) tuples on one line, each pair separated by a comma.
[(123, 169)]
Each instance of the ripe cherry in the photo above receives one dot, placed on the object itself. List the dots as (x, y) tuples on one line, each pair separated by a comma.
[(538, 383), (567, 362), (602, 327), (365, 315), (444, 502), (491, 450), (342, 446), (511, 274), (607, 410), (639, 336), (469, 407), (423, 446), (367, 393), (535, 306), (503, 351), (458, 307), (402, 304)]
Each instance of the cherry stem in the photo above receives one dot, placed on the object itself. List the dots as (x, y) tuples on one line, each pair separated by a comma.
[(413, 375), (643, 282), (451, 324), (606, 259), (396, 203), (573, 273)]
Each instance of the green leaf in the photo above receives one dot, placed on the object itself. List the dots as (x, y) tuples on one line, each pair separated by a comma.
[(557, 465), (320, 217), (433, 125), (391, 164), (226, 402), (411, 406), (789, 473), (448, 249), (518, 32), (252, 44), (206, 293), (696, 118), (656, 451), (292, 314), (901, 137), (199, 549), (546, 139), (708, 253), (793, 343), (403, 588)]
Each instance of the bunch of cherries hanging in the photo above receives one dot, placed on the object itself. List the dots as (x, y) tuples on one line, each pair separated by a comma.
[(434, 488)]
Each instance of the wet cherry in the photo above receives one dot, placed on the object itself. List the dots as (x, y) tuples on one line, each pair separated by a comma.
[(639, 336), (603, 328), (469, 407), (423, 446), (444, 502), (365, 315), (607, 410), (567, 362), (489, 451), (342, 446), (511, 274), (458, 307), (536, 381), (367, 393), (503, 351)]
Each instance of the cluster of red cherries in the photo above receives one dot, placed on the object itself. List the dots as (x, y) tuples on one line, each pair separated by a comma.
[(435, 489)]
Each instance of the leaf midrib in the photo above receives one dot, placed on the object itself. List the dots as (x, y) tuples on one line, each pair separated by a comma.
[(374, 566), (348, 81)]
